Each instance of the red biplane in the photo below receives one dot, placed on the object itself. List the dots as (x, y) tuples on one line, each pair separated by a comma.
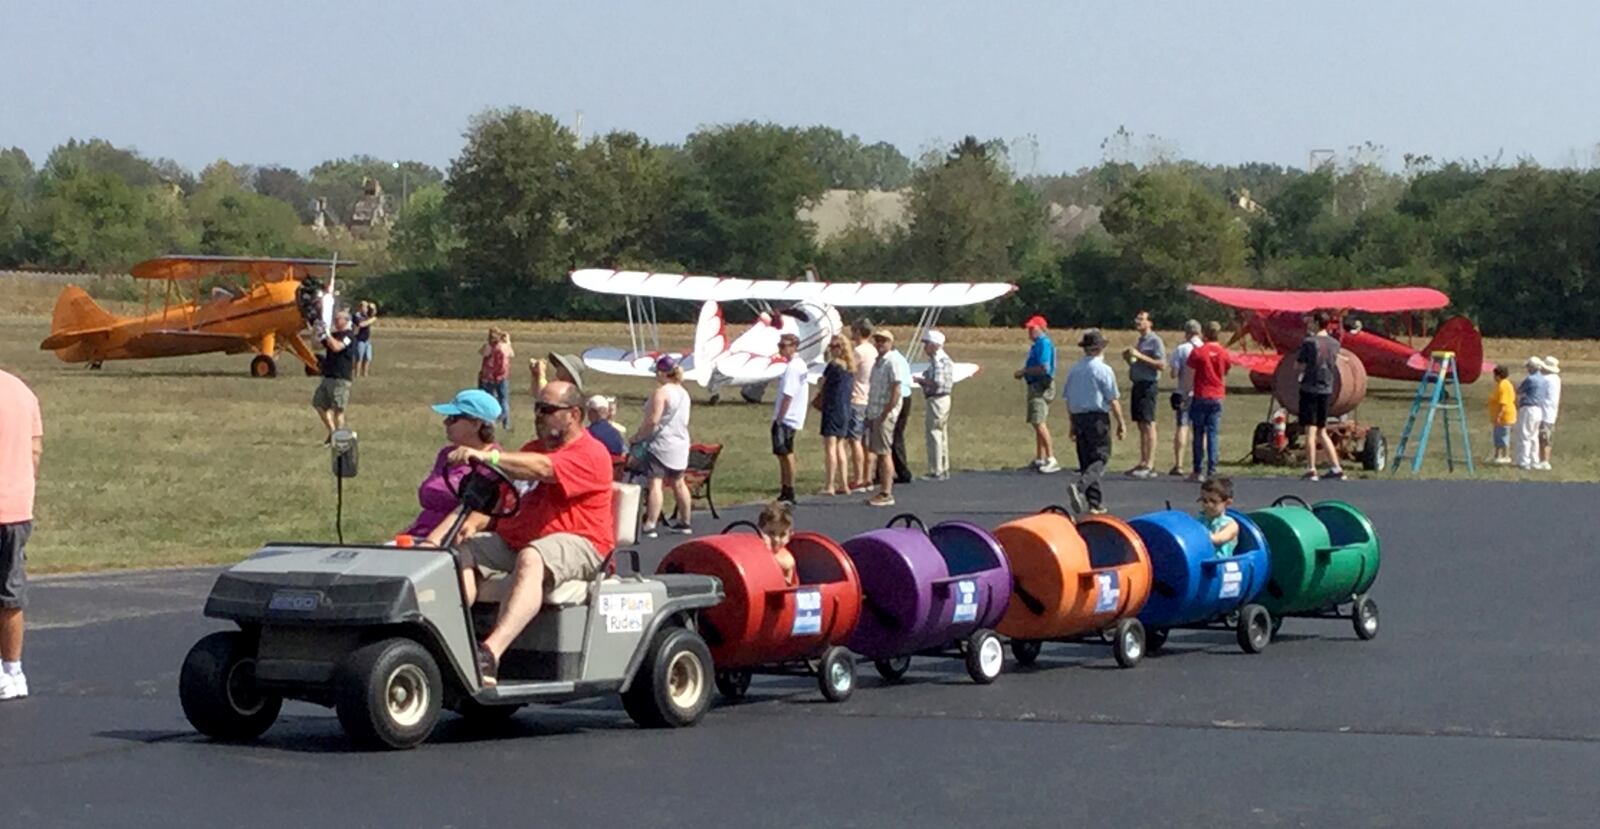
[(1276, 320)]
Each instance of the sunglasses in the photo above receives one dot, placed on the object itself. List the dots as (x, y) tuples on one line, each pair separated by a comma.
[(454, 419), (550, 408)]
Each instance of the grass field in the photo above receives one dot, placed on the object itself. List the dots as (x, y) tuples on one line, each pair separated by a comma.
[(188, 460)]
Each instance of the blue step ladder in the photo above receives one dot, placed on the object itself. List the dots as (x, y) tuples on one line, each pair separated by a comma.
[(1441, 367)]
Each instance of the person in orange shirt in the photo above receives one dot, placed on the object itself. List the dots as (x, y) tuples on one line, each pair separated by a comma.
[(1502, 414), (21, 446)]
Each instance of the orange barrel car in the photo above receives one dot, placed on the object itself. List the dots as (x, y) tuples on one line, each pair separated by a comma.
[(766, 626), (1072, 580)]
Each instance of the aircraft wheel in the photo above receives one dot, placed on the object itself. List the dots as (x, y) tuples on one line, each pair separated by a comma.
[(263, 366), (311, 372), (1374, 451), (95, 366)]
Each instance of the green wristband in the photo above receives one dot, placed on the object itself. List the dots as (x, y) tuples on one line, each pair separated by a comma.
[(494, 457)]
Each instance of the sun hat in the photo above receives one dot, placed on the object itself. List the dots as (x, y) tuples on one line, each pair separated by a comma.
[(569, 363), (1092, 338), (1035, 321), (474, 403), (883, 334), (933, 336), (1536, 364), (1552, 365)]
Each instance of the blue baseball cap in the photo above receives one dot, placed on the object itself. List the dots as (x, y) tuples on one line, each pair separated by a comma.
[(473, 403)]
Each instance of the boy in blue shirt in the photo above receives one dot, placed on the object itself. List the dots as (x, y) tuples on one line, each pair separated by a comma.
[(1216, 496)]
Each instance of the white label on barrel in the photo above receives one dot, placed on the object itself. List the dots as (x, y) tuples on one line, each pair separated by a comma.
[(1107, 592), (807, 613), (966, 601), (1232, 580)]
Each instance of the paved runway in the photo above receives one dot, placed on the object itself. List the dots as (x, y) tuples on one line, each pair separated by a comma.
[(1475, 706)]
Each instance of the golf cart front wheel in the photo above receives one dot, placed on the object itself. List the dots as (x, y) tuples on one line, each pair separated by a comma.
[(985, 656), (388, 694), (836, 674), (1364, 617), (217, 688), (672, 688)]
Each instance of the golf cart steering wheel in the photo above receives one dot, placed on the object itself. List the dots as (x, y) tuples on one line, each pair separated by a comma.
[(480, 490)]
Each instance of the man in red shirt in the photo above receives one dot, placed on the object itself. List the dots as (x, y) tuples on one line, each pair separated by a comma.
[(563, 530), (1210, 364)]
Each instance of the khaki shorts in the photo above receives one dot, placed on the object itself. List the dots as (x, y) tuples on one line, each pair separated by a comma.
[(1039, 397), (332, 393), (566, 556), (880, 433)]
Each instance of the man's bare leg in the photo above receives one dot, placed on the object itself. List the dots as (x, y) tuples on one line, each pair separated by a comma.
[(527, 595), (1147, 445), (1044, 447), (11, 626), (1180, 442)]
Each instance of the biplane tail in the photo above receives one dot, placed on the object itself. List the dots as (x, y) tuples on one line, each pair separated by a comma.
[(75, 318), (1459, 335), (710, 340)]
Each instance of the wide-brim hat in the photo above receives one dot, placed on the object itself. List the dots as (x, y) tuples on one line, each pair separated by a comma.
[(1552, 365), (883, 334), (569, 363), (1536, 364)]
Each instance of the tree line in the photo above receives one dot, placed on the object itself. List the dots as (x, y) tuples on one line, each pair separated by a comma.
[(526, 200)]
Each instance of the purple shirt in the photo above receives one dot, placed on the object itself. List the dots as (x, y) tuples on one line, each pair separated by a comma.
[(434, 493)]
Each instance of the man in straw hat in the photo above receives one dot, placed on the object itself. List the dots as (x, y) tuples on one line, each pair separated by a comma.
[(1552, 379), (1091, 393), (883, 409), (1533, 395)]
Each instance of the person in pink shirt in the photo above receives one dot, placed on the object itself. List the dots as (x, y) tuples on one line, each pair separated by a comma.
[(21, 446)]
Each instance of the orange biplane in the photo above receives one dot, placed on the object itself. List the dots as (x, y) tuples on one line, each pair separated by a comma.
[(279, 299)]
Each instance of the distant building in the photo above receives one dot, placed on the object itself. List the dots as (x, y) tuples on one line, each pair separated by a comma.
[(371, 210)]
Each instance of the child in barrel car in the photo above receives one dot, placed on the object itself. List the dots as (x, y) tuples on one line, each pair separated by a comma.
[(777, 527)]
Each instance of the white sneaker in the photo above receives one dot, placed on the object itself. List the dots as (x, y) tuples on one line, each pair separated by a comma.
[(1049, 467), (13, 686), (1542, 466)]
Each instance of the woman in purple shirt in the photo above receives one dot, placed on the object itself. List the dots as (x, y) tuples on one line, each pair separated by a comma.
[(469, 421)]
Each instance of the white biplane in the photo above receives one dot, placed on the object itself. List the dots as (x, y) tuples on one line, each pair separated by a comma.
[(807, 309)]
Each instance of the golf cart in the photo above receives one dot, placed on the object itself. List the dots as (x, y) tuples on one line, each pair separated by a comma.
[(382, 635)]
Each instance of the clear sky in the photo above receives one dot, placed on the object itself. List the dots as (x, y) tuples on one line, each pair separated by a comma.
[(296, 81)]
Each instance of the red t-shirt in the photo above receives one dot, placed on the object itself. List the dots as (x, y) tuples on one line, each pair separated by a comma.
[(1210, 363), (577, 499)]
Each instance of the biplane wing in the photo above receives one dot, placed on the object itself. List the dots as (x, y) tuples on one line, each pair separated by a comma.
[(692, 288), (1256, 361), (259, 269), (1371, 300)]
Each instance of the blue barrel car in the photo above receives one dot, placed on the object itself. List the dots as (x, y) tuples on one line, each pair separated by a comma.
[(1193, 587)]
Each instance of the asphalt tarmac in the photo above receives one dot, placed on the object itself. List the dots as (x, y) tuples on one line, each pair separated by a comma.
[(1475, 706)]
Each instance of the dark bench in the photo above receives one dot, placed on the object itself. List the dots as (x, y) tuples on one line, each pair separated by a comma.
[(702, 463)]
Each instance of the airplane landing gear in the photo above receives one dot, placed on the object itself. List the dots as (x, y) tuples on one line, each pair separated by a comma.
[(95, 366), (263, 366)]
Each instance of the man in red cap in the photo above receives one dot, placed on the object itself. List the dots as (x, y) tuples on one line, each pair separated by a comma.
[(1039, 374)]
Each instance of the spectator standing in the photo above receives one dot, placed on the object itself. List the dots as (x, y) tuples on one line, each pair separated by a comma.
[(897, 449), (1552, 378), (866, 357), (338, 372), (21, 447), (1210, 364), (1091, 393), (1502, 414), (1145, 361), (665, 433), (883, 409), (834, 401), (1318, 359), (566, 368), (601, 410), (494, 372), (937, 381), (1180, 371), (788, 413), (366, 314), (1039, 372), (1533, 396)]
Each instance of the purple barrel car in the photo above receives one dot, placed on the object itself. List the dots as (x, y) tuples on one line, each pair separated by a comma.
[(930, 592)]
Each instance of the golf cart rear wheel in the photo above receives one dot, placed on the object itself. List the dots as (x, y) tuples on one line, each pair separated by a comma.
[(1255, 628), (1129, 644), (263, 366), (217, 688), (836, 674), (892, 670), (388, 693), (733, 684), (672, 688), (985, 656), (1364, 617)]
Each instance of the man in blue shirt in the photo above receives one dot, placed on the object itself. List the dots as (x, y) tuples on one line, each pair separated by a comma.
[(1091, 392), (1039, 374)]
